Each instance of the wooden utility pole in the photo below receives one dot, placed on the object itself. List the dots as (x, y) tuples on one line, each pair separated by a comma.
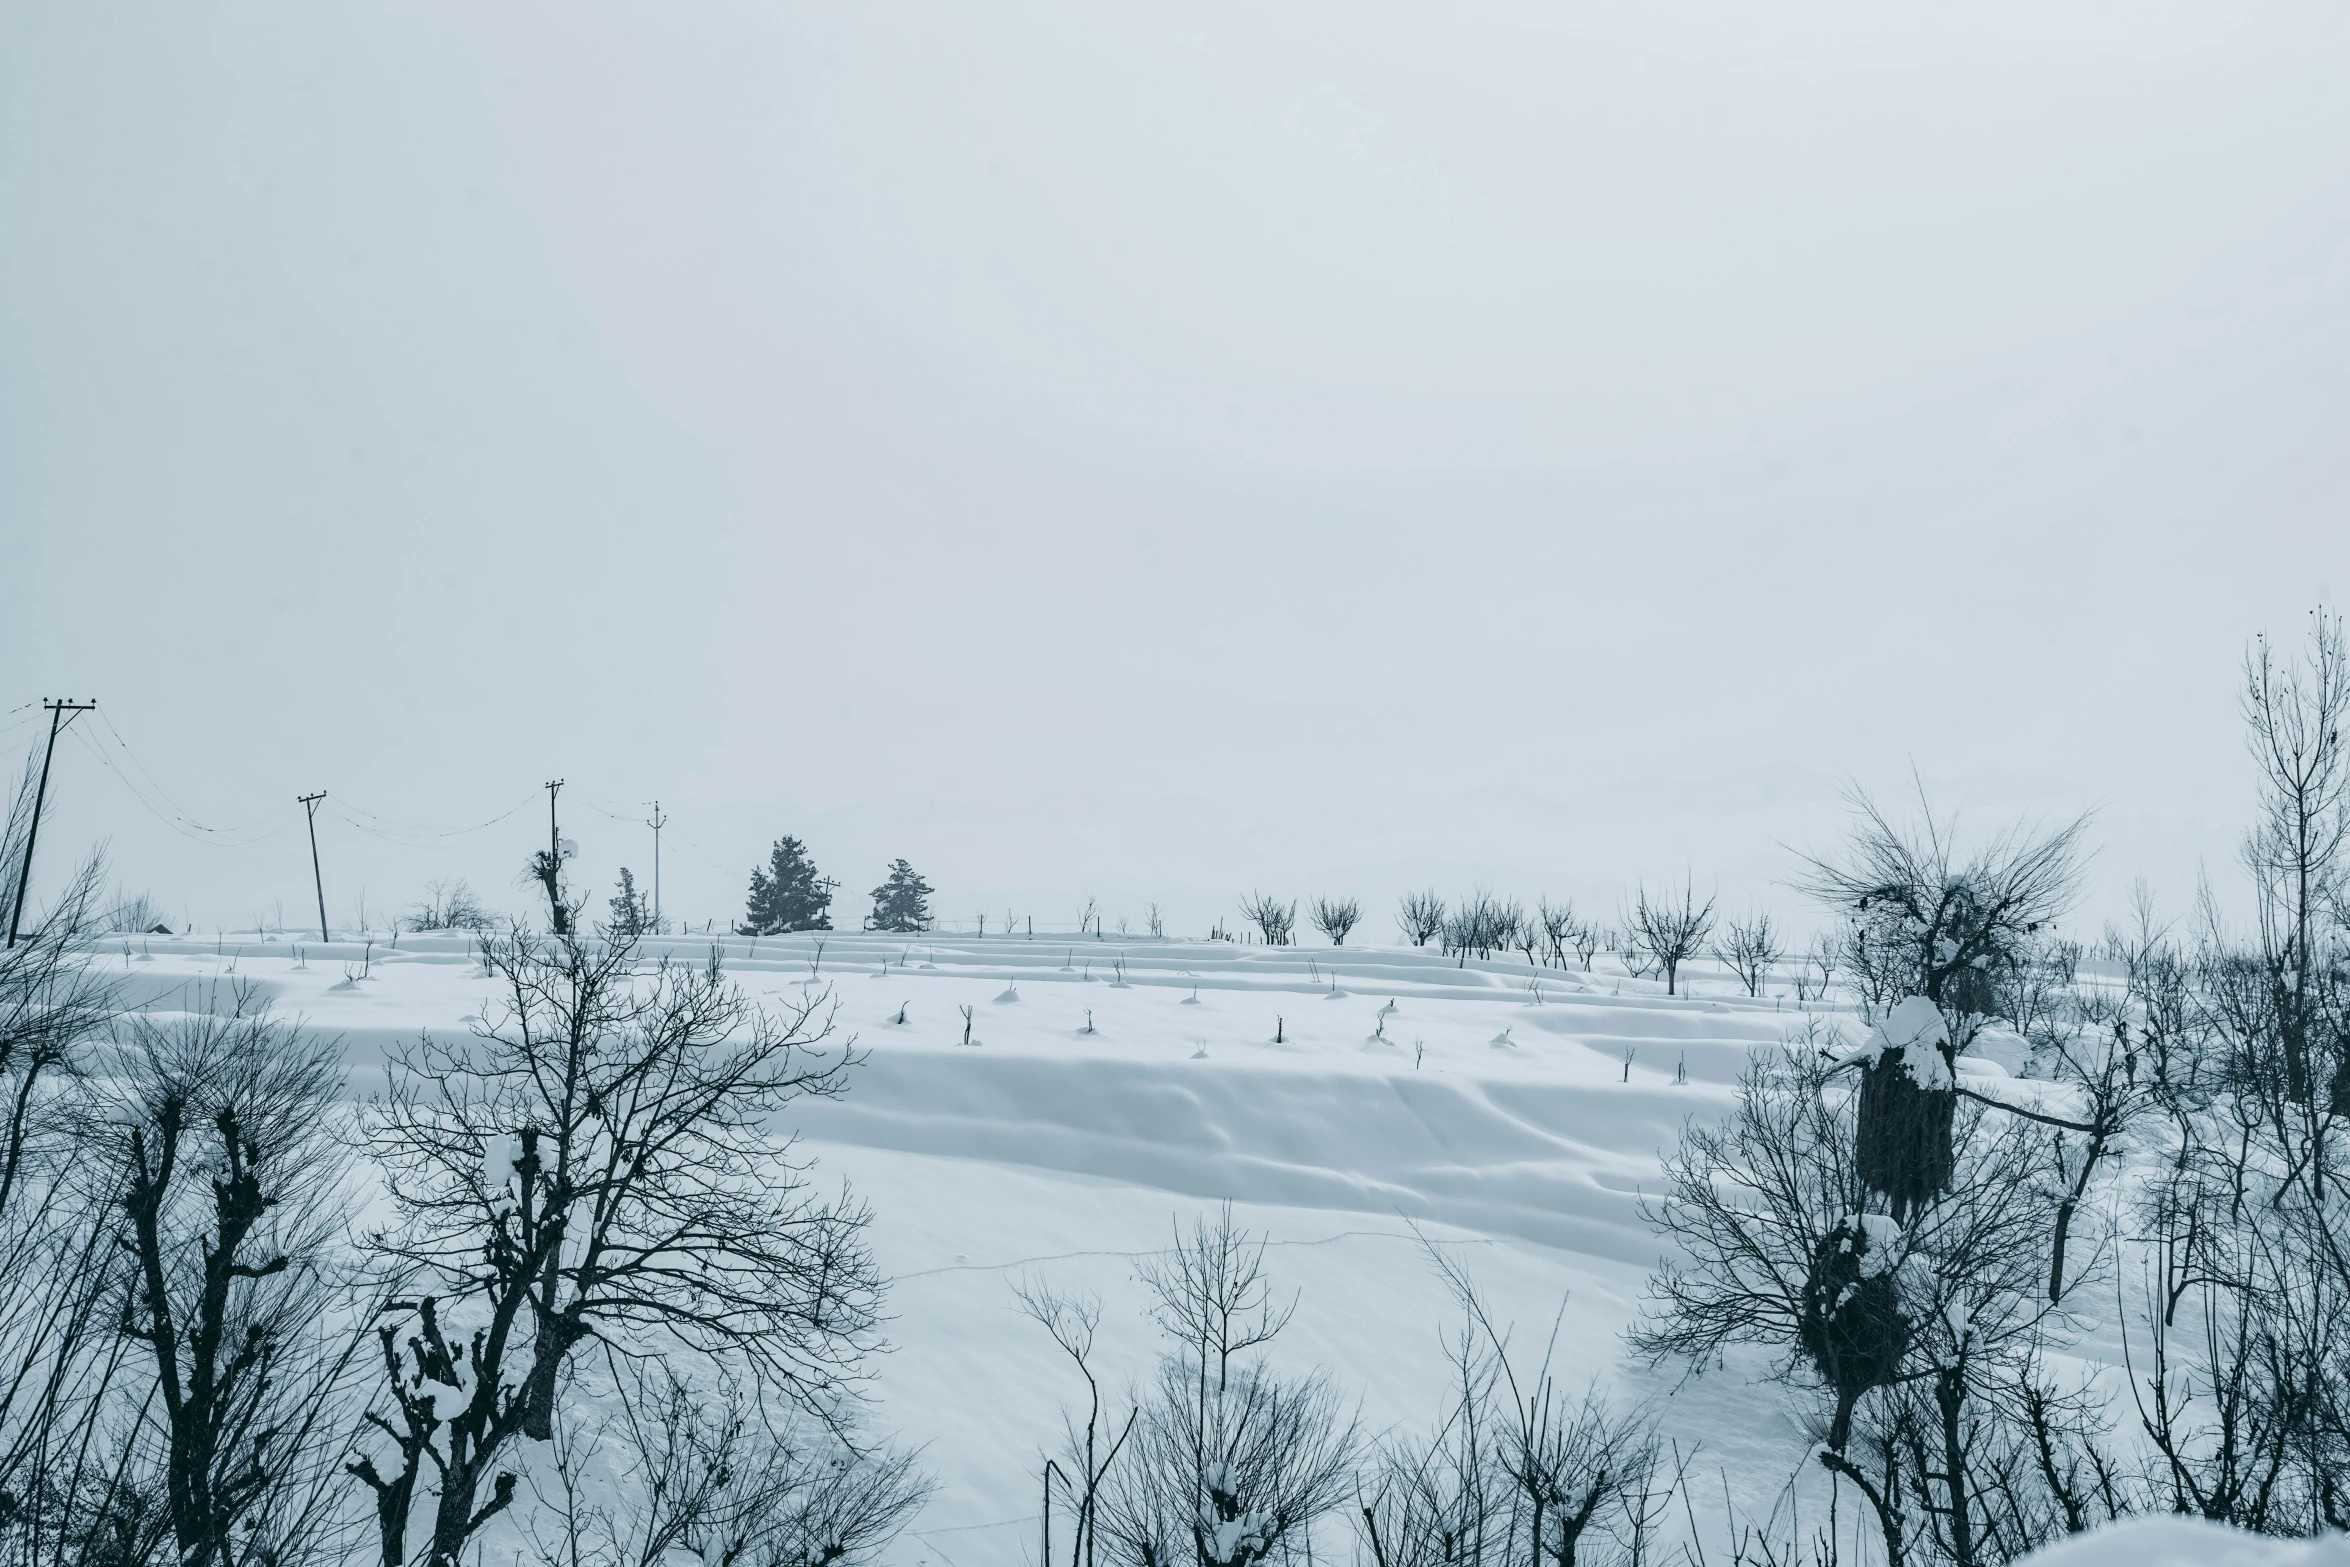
[(61, 712), (559, 914), (310, 807), (657, 821)]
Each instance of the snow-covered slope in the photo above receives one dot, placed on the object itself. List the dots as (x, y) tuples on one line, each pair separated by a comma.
[(1340, 1098)]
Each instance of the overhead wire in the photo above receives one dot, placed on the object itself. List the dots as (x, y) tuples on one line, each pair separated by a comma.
[(605, 811), (176, 816), (178, 820), (17, 718), (691, 847), (157, 801), (153, 782), (392, 831)]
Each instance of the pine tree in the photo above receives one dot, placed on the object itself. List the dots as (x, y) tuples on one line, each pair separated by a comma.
[(632, 913), (902, 903), (788, 894)]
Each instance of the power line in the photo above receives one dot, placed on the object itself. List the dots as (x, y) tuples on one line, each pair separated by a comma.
[(172, 813), (13, 722), (152, 782), (179, 821), (601, 810), (404, 833)]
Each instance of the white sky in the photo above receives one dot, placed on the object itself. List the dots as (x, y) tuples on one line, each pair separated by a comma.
[(1161, 452)]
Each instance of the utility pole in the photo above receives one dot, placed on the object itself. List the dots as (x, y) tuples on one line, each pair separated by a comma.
[(560, 915), (63, 711), (657, 821), (310, 806)]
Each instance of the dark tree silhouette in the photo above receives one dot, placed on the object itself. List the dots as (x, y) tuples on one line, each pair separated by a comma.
[(597, 1163), (1334, 917), (788, 894), (1273, 919), (901, 903), (1420, 917), (233, 1154), (632, 912), (1671, 931)]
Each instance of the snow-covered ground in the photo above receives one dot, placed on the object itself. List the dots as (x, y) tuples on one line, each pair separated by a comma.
[(1349, 1102), (2188, 1542)]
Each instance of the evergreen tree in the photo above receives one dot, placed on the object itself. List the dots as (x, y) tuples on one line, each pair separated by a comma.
[(632, 912), (788, 894), (902, 903)]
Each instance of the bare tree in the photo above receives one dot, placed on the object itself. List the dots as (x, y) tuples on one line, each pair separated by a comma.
[(226, 1123), (693, 1463), (545, 866), (1334, 917), (134, 914), (1559, 927), (1272, 918), (1233, 1478), (1441, 1500), (2296, 718), (1211, 1294), (805, 1497), (2088, 1046), (1571, 1464), (1525, 932), (595, 1163), (1932, 938), (1780, 1244), (1481, 925), (1925, 922), (1587, 937), (1749, 948), (1230, 1462), (450, 905), (1670, 931), (1093, 1450), (2247, 1232), (60, 1351), (1420, 917)]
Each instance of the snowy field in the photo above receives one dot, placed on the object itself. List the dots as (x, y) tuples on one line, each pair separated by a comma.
[(1354, 1104)]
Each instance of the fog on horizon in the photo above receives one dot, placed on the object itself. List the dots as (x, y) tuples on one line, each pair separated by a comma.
[(1313, 448)]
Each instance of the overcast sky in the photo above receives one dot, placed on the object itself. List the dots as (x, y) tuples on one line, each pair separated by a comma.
[(1157, 452)]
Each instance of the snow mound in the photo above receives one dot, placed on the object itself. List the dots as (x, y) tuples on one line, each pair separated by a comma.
[(1914, 1030), (1880, 1239), (2001, 1046), (2187, 1542)]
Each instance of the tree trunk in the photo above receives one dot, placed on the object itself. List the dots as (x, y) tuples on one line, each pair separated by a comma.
[(1950, 1394)]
